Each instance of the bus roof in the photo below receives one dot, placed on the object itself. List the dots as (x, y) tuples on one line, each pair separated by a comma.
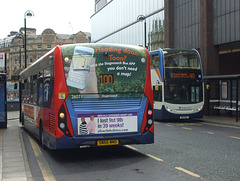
[(34, 67)]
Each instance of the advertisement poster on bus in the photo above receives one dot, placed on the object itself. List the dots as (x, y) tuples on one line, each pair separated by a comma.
[(2, 62), (107, 123), (104, 70), (2, 101)]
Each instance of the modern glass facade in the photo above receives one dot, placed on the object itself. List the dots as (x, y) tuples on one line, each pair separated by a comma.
[(118, 22)]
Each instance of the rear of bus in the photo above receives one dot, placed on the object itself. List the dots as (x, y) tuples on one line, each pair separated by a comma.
[(103, 95)]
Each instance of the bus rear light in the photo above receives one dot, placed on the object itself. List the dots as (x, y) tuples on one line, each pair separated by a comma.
[(150, 121), (149, 112), (62, 115), (62, 125), (62, 121)]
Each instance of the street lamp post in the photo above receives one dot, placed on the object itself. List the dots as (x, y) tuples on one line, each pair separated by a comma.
[(142, 18), (28, 13)]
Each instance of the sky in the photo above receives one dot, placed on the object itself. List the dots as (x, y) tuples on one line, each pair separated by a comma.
[(64, 17)]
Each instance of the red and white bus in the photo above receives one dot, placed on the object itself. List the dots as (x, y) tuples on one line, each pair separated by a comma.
[(89, 95)]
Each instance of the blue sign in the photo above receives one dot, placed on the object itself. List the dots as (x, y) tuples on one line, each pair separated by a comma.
[(2, 101)]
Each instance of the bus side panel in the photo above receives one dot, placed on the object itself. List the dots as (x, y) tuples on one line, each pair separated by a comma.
[(149, 93), (61, 90), (148, 85), (32, 115)]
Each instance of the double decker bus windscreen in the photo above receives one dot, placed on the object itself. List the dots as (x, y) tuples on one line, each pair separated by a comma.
[(183, 77)]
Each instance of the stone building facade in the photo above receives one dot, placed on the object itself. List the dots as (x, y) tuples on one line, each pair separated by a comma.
[(37, 46)]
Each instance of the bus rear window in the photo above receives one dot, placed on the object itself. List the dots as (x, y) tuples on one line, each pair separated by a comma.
[(105, 70)]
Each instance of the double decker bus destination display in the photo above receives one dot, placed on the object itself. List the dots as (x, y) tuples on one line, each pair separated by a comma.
[(185, 74)]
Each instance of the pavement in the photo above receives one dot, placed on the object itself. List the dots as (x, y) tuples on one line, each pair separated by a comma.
[(14, 163), (222, 119)]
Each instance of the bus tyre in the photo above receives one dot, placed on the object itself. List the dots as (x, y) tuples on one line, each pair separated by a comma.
[(41, 138)]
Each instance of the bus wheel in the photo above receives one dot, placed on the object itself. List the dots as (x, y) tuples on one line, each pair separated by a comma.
[(41, 138)]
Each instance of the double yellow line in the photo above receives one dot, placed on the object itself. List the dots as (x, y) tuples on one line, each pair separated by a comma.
[(44, 167)]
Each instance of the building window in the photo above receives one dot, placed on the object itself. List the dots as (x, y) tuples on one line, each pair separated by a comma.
[(30, 47), (39, 46), (15, 60), (30, 59), (23, 60), (39, 56), (49, 46), (15, 49)]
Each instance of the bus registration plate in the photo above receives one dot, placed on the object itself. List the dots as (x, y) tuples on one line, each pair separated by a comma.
[(107, 142), (184, 117)]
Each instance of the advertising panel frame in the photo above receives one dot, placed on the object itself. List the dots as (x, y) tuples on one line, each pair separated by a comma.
[(3, 101)]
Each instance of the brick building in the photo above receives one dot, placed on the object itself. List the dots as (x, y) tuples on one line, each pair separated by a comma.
[(37, 46)]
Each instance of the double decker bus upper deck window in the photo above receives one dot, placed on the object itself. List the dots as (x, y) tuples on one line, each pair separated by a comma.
[(182, 59), (182, 65)]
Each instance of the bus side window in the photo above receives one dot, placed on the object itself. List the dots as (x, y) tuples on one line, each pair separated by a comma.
[(154, 61), (35, 90), (47, 86), (24, 91), (47, 77), (29, 90), (40, 88)]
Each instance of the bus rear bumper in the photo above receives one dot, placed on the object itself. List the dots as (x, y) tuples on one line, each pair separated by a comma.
[(66, 142)]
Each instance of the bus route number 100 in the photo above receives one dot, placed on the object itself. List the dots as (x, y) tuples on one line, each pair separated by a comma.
[(106, 79)]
